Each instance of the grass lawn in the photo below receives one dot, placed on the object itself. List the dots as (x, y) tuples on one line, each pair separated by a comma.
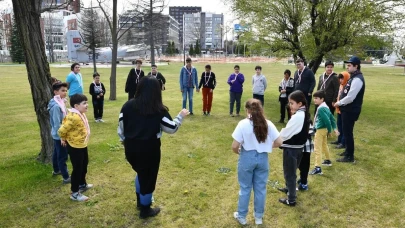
[(191, 189)]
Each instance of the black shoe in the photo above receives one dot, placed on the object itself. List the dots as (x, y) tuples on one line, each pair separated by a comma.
[(191, 113), (280, 121), (147, 211), (346, 159), (335, 143), (340, 146), (283, 190), (138, 201), (327, 163), (343, 153), (287, 202), (204, 113)]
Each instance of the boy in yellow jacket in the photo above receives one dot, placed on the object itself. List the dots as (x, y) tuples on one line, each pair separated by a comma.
[(74, 134)]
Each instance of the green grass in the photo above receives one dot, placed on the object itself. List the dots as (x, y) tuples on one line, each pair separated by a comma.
[(190, 189)]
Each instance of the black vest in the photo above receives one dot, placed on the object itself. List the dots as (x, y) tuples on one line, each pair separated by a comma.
[(300, 138), (355, 106)]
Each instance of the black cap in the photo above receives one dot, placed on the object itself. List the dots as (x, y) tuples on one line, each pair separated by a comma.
[(354, 60), (327, 63)]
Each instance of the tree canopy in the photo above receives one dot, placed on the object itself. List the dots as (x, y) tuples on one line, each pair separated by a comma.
[(310, 29)]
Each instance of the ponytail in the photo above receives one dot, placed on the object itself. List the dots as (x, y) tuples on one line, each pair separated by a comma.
[(260, 127)]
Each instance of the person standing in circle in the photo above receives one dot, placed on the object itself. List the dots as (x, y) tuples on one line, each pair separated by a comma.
[(304, 80), (74, 80), (141, 123), (188, 81), (208, 82), (235, 82), (253, 140), (135, 74), (329, 83)]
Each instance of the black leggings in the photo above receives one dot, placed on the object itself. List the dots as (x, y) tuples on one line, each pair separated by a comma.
[(80, 159), (144, 157), (304, 167)]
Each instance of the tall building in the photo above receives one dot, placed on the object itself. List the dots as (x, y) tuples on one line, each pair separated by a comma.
[(7, 29), (165, 28), (206, 27), (178, 11), (73, 7)]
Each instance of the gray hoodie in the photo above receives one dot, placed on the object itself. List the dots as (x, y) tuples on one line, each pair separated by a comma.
[(56, 117), (259, 84)]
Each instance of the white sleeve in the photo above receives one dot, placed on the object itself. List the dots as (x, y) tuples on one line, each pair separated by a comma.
[(170, 126), (356, 86), (120, 129), (272, 131), (293, 127), (237, 134)]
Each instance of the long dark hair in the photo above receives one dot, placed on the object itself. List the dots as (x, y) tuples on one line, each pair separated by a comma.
[(260, 127), (298, 96), (148, 97)]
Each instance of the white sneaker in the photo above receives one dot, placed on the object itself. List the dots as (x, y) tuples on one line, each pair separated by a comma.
[(101, 120), (97, 121), (85, 188), (258, 221), (241, 220), (77, 196)]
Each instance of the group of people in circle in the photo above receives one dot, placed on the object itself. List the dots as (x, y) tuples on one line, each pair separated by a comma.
[(144, 117)]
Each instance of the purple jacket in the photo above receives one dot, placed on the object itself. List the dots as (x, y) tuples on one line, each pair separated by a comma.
[(237, 86)]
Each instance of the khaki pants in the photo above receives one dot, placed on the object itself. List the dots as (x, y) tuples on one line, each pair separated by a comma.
[(321, 145)]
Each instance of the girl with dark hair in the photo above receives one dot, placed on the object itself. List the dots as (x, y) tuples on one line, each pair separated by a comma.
[(141, 123), (75, 80), (254, 138), (294, 136)]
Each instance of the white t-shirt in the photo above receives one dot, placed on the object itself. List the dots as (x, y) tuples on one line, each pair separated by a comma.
[(244, 134)]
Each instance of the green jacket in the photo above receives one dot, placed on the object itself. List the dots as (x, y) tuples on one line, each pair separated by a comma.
[(325, 119)]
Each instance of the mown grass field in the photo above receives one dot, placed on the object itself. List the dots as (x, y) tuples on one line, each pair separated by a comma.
[(190, 189)]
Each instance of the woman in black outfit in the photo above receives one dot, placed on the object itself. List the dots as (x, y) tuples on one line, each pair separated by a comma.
[(141, 123)]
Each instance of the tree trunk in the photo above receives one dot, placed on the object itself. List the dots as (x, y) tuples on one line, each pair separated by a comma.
[(152, 43), (113, 77), (27, 18), (315, 62), (94, 58)]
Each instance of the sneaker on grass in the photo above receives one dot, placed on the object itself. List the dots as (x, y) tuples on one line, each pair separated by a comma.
[(327, 163), (101, 120), (303, 187), (77, 196), (85, 187), (56, 173), (66, 181), (315, 171), (240, 219)]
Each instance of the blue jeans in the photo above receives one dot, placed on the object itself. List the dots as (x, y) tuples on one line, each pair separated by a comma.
[(341, 137), (189, 91), (59, 158), (253, 171), (144, 199)]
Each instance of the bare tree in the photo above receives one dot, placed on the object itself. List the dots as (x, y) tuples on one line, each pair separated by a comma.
[(27, 16)]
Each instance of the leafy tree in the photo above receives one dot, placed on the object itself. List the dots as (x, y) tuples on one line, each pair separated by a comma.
[(17, 50), (310, 29)]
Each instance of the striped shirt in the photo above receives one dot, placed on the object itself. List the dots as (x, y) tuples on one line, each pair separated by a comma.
[(132, 125)]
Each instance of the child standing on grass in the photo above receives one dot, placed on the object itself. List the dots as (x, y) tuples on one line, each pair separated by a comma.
[(235, 82), (74, 134), (254, 138), (259, 84), (208, 82), (285, 88), (306, 160), (294, 136), (340, 143), (324, 124), (97, 92), (57, 111)]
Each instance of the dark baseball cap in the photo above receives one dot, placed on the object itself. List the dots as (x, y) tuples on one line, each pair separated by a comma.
[(354, 60)]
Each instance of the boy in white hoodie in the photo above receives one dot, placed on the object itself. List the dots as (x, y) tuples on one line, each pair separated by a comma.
[(259, 84)]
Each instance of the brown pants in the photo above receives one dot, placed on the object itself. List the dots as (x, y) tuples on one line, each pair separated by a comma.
[(207, 99)]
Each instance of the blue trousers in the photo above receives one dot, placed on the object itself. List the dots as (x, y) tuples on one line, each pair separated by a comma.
[(253, 172), (188, 91), (59, 158)]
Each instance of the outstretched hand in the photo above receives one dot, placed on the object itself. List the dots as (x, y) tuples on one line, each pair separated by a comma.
[(184, 113)]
